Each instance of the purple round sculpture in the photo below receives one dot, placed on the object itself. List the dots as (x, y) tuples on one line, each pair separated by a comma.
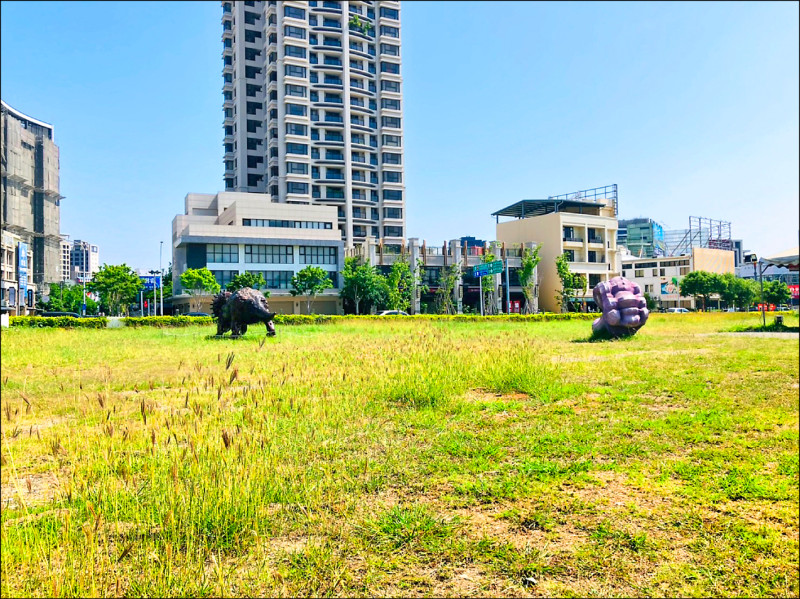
[(624, 308)]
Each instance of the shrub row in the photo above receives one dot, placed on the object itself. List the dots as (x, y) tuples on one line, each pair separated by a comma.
[(295, 319), (280, 319), (166, 321), (68, 322)]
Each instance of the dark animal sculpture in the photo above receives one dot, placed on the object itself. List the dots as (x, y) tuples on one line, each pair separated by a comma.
[(234, 311), (624, 308)]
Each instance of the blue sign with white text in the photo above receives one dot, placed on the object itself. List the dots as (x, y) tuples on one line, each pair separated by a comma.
[(151, 282), (22, 269)]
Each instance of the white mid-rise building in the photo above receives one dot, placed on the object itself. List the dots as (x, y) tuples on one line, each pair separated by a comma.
[(312, 103)]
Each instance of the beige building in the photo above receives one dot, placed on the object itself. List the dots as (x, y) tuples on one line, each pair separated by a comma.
[(231, 233), (30, 190), (660, 277), (584, 229)]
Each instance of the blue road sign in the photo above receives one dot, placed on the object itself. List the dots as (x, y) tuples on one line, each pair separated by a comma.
[(151, 282)]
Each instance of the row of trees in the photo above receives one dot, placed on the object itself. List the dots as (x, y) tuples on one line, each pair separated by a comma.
[(732, 290), (199, 282)]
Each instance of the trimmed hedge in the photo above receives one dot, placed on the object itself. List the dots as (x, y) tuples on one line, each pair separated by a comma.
[(166, 321), (282, 319), (298, 319), (68, 322)]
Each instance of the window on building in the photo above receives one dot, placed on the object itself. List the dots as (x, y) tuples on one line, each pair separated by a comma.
[(297, 32), (390, 121), (296, 109), (293, 187), (391, 158), (292, 70), (390, 86), (392, 213), (224, 277), (268, 254), (222, 252), (390, 49), (390, 104), (638, 273), (295, 129), (392, 177), (296, 90), (296, 168), (393, 231), (318, 255), (390, 31), (292, 148), (390, 67), (295, 13), (294, 51)]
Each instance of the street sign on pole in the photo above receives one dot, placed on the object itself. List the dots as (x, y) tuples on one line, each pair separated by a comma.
[(489, 268)]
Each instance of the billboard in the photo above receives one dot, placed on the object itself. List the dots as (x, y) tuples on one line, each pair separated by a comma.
[(795, 289), (670, 289), (22, 269)]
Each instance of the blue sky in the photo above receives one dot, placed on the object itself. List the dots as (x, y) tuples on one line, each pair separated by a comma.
[(691, 108)]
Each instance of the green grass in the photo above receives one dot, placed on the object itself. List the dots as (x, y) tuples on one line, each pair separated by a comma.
[(401, 457)]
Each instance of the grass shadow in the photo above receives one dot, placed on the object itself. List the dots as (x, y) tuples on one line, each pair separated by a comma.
[(603, 335)]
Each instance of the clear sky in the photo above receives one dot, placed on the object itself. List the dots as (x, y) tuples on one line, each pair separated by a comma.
[(691, 108)]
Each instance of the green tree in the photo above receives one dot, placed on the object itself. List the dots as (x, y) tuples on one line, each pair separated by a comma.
[(248, 279), (361, 283), (400, 284), (117, 286), (738, 292), (527, 276), (571, 283), (311, 281), (777, 292), (444, 294), (198, 282), (68, 297), (488, 287), (652, 303), (701, 284)]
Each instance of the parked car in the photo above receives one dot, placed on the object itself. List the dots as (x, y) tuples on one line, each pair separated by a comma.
[(393, 313), (73, 314), (196, 314), (783, 308), (676, 310)]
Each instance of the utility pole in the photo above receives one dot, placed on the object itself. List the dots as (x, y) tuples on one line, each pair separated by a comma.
[(161, 276), (508, 289)]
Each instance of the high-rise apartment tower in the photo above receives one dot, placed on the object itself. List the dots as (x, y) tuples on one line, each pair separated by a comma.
[(313, 109)]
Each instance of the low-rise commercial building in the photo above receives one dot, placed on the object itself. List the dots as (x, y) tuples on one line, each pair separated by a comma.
[(584, 229), (17, 290), (231, 233), (660, 277), (467, 253)]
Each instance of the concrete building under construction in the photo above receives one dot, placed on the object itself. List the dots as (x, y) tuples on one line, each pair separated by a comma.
[(30, 190)]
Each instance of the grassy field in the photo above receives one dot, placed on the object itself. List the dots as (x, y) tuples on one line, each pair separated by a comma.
[(401, 458)]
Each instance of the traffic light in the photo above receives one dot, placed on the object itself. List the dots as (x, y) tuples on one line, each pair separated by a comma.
[(145, 303)]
